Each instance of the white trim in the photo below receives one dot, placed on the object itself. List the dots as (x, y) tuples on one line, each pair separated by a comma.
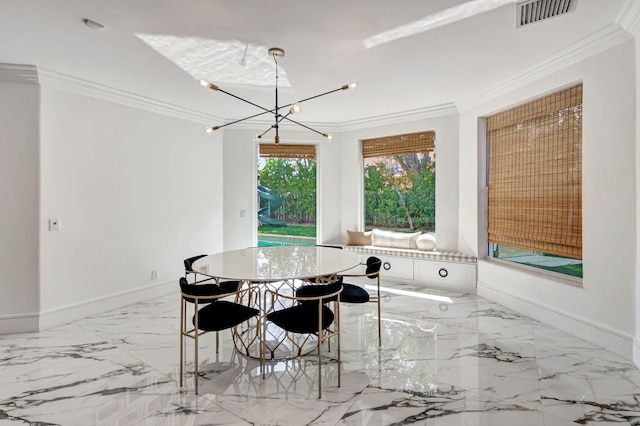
[(629, 16), (558, 277), (35, 75), (87, 308), (319, 214), (605, 337), (434, 111), (636, 352), (16, 73), (597, 42), (80, 86), (363, 123), (18, 323)]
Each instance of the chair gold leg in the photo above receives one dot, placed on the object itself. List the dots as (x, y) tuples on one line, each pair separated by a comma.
[(196, 345), (319, 349), (379, 315), (339, 334), (182, 325)]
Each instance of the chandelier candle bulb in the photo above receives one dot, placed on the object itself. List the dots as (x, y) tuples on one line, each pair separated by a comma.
[(209, 85)]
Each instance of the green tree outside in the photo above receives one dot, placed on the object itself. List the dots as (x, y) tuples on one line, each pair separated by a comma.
[(295, 182), (400, 192)]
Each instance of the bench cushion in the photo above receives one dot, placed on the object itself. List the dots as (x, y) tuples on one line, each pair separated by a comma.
[(448, 256)]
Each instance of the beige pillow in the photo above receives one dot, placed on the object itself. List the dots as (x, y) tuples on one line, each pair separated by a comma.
[(426, 242), (394, 239), (357, 238)]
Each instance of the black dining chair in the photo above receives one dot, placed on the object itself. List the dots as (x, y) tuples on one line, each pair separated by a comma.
[(216, 315), (225, 286), (353, 293), (207, 286), (309, 315)]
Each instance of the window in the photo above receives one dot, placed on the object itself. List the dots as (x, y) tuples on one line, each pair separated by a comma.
[(400, 182), (286, 194), (535, 183)]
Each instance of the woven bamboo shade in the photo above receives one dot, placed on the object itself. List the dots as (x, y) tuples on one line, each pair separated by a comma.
[(535, 175), (287, 151), (399, 145)]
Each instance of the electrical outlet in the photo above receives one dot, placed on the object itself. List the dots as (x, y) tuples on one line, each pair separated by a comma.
[(243, 213), (154, 274), (54, 224)]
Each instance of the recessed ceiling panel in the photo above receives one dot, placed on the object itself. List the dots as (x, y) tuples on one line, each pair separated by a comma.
[(230, 62)]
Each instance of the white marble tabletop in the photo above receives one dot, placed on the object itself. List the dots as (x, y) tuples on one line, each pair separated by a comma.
[(276, 263)]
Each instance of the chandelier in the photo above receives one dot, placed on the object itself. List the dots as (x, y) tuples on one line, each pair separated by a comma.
[(276, 53)]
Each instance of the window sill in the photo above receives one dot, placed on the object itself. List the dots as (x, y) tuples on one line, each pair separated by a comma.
[(555, 276)]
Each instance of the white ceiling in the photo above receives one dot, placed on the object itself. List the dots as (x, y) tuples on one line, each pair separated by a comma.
[(323, 41)]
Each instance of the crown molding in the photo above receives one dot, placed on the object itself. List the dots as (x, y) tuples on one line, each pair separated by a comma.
[(17, 73), (597, 42), (363, 123), (400, 117), (629, 17), (92, 89), (48, 78)]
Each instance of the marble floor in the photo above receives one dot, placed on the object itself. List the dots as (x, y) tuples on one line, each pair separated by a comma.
[(446, 359)]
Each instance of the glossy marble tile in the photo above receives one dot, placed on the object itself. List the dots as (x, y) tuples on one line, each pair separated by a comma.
[(446, 359)]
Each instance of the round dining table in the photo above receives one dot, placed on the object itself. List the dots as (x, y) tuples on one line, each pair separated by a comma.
[(279, 270)]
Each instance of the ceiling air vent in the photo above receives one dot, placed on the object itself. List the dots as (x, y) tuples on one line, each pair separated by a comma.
[(531, 11)]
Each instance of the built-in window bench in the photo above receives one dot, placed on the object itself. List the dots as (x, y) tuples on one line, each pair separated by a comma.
[(440, 269)]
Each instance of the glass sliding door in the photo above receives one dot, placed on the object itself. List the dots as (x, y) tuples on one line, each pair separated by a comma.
[(286, 191)]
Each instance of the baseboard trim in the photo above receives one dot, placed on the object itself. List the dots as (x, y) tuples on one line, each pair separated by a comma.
[(607, 338), (32, 322), (77, 311), (636, 352), (19, 323)]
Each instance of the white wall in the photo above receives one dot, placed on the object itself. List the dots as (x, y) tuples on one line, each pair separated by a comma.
[(447, 154), (602, 309), (636, 339), (19, 214), (134, 191), (240, 190)]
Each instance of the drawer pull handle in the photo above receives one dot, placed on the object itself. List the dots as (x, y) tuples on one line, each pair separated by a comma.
[(443, 272), (386, 266)]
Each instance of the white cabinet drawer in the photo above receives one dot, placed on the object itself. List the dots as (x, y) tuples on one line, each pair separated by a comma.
[(445, 273), (396, 267)]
